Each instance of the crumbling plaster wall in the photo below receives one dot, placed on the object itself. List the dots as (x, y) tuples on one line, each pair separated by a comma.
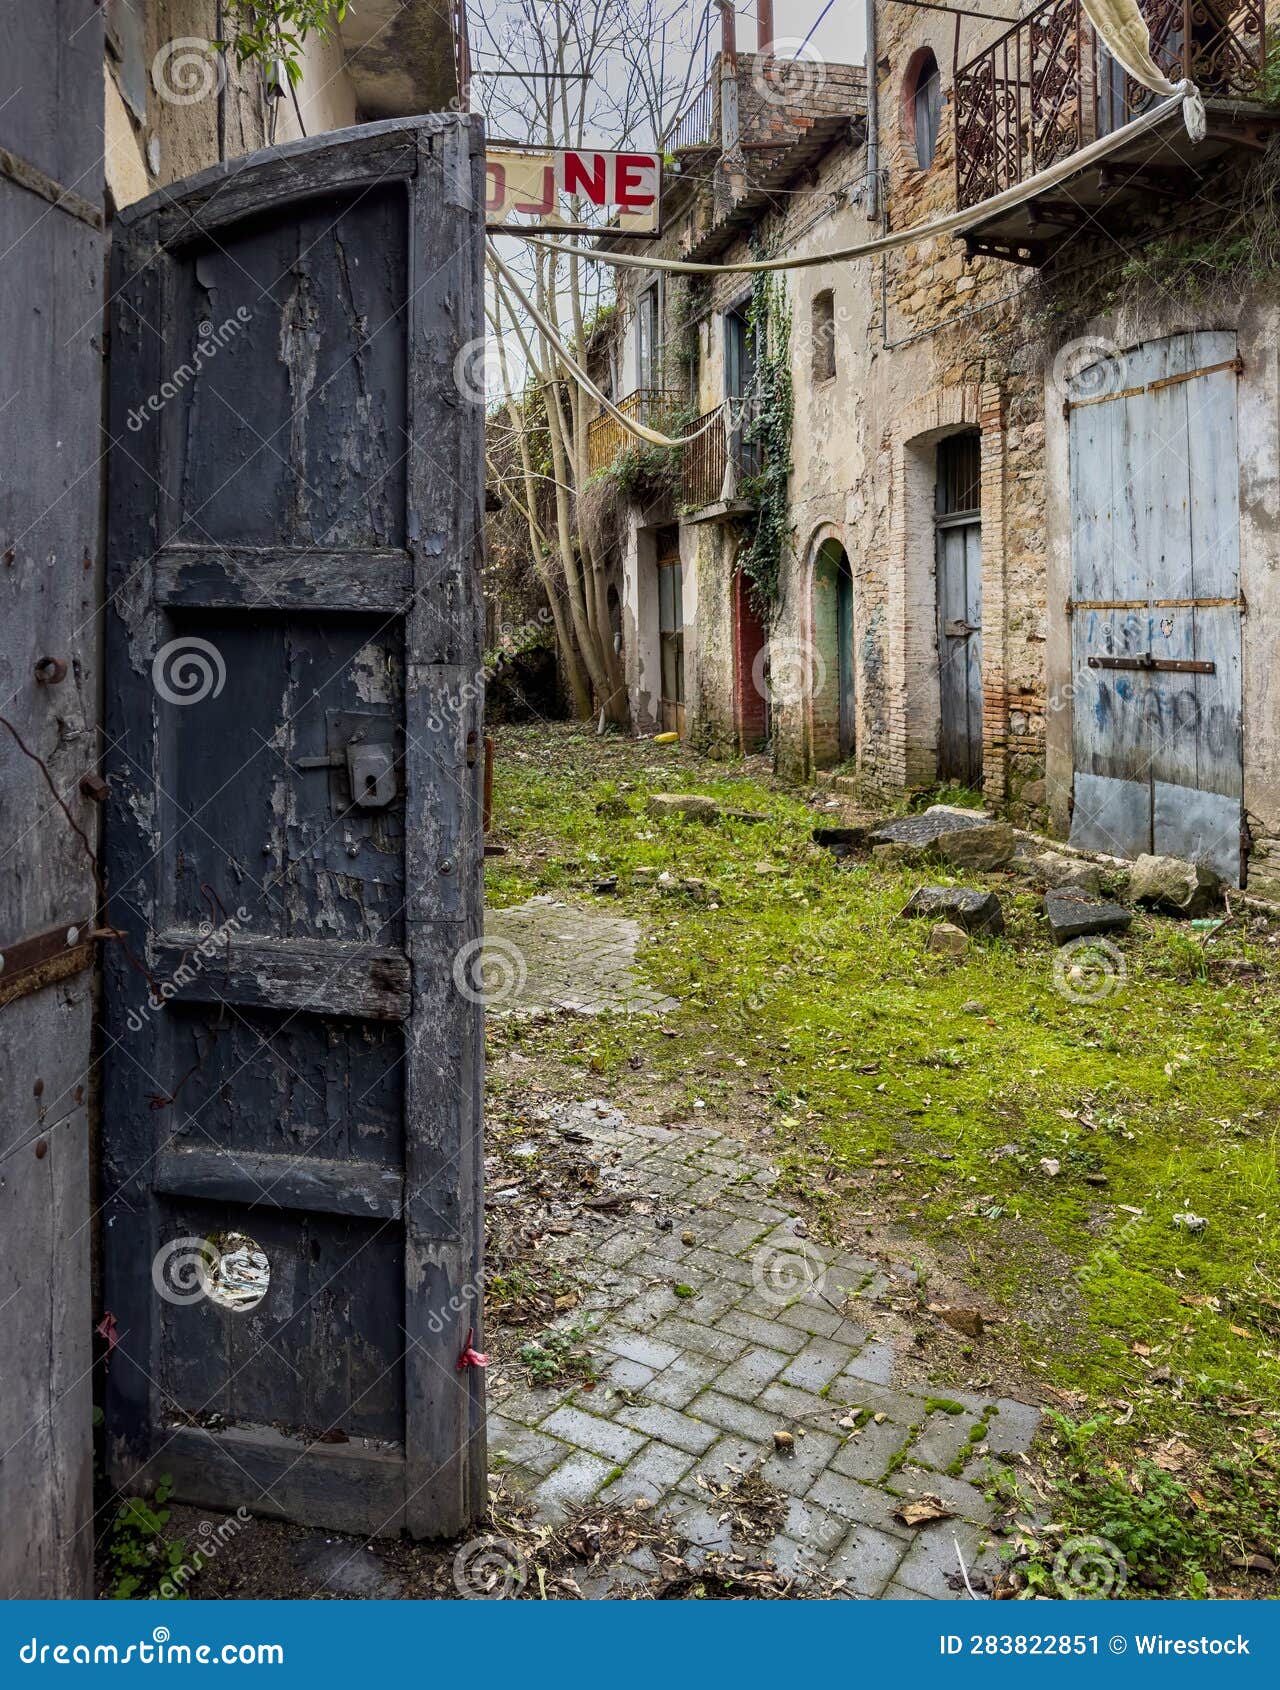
[(185, 113)]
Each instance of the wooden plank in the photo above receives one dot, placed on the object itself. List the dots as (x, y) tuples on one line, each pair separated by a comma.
[(249, 578), (314, 975), (445, 1447), (345, 1487), (972, 538), (130, 847), (278, 179), (1215, 729), (282, 1181)]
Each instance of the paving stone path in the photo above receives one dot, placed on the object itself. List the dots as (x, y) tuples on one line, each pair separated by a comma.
[(708, 1348), (545, 955)]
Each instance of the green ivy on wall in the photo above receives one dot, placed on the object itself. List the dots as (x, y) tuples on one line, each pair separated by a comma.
[(770, 430)]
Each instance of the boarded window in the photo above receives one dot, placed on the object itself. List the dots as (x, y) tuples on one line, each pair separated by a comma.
[(824, 335)]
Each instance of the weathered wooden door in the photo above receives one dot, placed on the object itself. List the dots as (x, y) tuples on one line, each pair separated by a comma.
[(671, 630), (958, 524), (1155, 552), (292, 1106), (51, 276)]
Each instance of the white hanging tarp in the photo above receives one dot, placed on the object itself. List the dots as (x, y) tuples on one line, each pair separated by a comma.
[(1125, 35)]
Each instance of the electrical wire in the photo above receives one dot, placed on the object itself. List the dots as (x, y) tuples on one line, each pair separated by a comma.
[(651, 436), (1186, 97)]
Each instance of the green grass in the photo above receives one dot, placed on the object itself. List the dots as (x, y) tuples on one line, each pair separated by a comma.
[(864, 1049)]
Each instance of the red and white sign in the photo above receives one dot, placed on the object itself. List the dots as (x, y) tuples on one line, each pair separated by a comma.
[(571, 189)]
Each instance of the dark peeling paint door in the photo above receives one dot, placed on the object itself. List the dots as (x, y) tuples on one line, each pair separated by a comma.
[(292, 1107), (1155, 547)]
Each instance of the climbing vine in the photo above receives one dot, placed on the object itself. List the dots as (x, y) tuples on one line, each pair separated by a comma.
[(769, 430), (266, 30)]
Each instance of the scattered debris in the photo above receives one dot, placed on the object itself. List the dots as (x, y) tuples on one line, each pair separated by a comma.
[(930, 826), (921, 1509), (968, 1322), (1078, 915), (692, 806), (975, 911), (1177, 887), (946, 939), (1190, 1222), (980, 849), (1056, 873)]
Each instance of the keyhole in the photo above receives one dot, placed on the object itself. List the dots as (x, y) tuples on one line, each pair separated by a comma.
[(371, 786)]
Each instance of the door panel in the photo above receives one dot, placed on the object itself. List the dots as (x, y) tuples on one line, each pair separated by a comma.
[(1155, 611), (293, 838), (959, 568)]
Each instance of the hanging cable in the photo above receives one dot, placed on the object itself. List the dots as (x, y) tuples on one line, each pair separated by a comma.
[(651, 436), (1185, 96)]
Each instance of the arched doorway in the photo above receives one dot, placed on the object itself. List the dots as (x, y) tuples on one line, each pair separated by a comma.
[(834, 695)]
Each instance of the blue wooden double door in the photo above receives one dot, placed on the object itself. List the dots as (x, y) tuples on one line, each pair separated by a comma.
[(1155, 688)]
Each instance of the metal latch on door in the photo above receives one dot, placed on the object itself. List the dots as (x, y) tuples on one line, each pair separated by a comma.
[(371, 772), (957, 628), (1144, 660)]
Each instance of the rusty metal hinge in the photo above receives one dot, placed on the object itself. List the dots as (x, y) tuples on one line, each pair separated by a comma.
[(29, 964)]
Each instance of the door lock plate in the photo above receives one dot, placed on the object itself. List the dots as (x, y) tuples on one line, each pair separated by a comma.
[(362, 761)]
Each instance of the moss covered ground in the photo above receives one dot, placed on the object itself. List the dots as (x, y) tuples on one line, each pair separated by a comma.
[(925, 1104)]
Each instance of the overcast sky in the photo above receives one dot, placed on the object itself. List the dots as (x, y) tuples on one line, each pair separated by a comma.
[(838, 37)]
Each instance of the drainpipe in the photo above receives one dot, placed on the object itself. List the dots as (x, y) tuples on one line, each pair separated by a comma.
[(873, 116), (728, 79), (764, 27)]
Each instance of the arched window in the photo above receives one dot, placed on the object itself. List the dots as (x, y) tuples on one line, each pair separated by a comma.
[(923, 105)]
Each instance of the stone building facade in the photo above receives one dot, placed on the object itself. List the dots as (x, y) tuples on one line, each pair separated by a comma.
[(1034, 488)]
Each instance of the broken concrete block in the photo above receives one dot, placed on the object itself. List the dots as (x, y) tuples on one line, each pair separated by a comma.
[(975, 911), (895, 855), (978, 848), (1168, 883), (683, 886), (1056, 871), (1077, 915), (946, 939), (924, 829), (691, 805)]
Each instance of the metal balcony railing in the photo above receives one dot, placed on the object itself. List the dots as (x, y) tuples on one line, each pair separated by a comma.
[(698, 124), (1047, 86), (713, 445), (606, 437)]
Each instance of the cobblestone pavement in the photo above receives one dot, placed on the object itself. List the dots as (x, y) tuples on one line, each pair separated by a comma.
[(544, 955), (717, 1326)]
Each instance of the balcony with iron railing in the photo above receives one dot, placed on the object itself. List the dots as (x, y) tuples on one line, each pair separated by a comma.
[(1046, 88), (606, 437), (719, 443)]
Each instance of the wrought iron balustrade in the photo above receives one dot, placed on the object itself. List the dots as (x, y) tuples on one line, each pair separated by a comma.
[(606, 437), (1047, 86), (714, 444)]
